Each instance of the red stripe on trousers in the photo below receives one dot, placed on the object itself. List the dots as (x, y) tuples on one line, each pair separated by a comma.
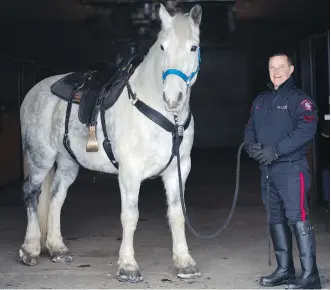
[(302, 197)]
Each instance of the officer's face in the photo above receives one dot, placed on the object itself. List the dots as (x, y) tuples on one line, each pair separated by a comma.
[(279, 70)]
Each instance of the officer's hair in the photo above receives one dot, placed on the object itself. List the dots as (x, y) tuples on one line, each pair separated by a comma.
[(282, 54)]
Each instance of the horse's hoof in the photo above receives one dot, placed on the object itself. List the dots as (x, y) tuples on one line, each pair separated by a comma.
[(129, 276), (27, 259), (61, 257), (188, 273)]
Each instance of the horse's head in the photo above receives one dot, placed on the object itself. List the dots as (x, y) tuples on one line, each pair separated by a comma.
[(179, 45)]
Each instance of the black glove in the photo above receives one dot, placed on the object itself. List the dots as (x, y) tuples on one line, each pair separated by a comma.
[(253, 149), (266, 155)]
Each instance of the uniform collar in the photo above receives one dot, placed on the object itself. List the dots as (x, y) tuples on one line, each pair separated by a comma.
[(285, 85)]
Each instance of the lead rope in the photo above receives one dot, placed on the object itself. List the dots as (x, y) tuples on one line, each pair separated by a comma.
[(215, 234), (211, 236)]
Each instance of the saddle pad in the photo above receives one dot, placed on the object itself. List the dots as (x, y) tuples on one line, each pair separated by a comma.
[(64, 86)]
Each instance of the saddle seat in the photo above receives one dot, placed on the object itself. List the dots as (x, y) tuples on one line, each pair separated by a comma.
[(97, 88)]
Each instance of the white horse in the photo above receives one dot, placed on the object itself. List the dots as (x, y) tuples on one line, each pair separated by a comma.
[(142, 148)]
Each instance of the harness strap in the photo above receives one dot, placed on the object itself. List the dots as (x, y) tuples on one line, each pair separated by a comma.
[(176, 130), (154, 115), (66, 141), (158, 118), (106, 143)]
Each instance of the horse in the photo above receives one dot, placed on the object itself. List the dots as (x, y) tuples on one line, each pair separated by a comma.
[(162, 81)]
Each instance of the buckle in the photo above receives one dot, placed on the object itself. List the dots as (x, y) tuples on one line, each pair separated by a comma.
[(180, 130), (134, 101)]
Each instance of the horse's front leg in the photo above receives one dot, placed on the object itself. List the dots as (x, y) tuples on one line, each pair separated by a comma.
[(182, 259), (129, 182)]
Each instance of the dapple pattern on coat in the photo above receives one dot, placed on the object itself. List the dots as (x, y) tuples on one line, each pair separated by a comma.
[(141, 147)]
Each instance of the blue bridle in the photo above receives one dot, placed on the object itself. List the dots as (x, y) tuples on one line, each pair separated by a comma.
[(184, 77)]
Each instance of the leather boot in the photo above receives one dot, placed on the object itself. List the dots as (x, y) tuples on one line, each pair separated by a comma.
[(309, 278), (282, 241)]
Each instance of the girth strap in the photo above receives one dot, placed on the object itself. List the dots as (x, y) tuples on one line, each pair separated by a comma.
[(66, 141), (106, 143)]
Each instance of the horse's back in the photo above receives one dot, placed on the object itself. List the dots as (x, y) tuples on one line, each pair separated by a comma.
[(37, 109), (40, 92)]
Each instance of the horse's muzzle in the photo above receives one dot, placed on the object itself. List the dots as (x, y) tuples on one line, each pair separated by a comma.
[(172, 104)]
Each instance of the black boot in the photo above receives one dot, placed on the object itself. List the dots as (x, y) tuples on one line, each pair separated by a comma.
[(309, 278), (282, 241)]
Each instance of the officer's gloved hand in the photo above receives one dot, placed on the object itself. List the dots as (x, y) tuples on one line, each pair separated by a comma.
[(253, 149), (266, 155)]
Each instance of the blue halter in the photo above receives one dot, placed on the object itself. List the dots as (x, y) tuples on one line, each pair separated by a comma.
[(186, 79)]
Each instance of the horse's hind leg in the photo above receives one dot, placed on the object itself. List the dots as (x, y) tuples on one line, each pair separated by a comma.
[(65, 175), (182, 259), (37, 166)]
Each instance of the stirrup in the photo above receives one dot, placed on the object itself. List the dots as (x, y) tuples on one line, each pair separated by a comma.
[(92, 143)]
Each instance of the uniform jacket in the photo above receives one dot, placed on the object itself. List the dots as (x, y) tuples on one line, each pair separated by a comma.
[(285, 118)]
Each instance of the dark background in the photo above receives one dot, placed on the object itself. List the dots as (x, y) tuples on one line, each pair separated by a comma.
[(43, 37)]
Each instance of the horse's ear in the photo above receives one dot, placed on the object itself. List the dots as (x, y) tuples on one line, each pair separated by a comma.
[(196, 14), (165, 17)]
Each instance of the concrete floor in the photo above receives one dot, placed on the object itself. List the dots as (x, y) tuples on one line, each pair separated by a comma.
[(92, 230)]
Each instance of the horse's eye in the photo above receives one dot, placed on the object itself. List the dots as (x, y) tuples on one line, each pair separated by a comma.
[(194, 48), (162, 47)]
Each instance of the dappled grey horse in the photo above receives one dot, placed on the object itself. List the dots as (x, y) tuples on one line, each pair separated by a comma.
[(139, 130)]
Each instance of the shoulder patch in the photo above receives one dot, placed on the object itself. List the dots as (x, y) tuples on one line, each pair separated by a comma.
[(307, 105)]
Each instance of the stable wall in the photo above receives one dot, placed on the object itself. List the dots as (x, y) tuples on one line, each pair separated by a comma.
[(220, 98)]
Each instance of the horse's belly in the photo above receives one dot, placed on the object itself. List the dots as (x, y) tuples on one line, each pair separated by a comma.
[(78, 138), (155, 163)]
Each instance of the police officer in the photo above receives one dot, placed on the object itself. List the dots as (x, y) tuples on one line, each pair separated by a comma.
[(281, 125)]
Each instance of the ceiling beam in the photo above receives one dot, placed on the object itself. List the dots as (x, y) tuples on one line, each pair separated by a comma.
[(91, 2)]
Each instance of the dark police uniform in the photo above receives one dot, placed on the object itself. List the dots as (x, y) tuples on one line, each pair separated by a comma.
[(281, 126)]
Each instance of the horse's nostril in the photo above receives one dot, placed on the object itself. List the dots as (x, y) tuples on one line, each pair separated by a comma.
[(170, 102), (180, 97)]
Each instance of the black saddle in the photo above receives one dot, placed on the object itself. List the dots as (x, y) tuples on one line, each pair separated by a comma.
[(107, 84), (94, 91), (92, 84), (98, 87)]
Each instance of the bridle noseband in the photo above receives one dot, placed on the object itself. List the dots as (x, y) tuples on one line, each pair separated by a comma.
[(187, 79)]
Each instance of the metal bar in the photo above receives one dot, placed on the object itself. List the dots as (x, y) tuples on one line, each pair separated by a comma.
[(16, 59), (328, 44), (153, 1), (34, 74), (327, 117), (20, 98), (320, 35), (21, 84), (315, 141), (103, 2)]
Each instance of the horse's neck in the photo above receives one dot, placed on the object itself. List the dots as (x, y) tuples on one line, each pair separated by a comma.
[(147, 84)]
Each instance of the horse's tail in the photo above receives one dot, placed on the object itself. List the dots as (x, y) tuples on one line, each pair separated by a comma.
[(43, 205)]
